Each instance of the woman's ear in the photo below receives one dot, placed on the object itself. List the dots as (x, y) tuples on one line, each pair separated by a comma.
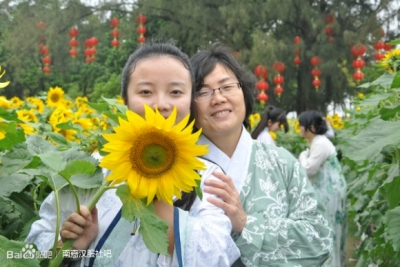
[(269, 123), (312, 129)]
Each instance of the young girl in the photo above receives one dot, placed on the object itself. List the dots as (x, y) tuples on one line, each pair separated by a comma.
[(160, 76), (324, 172), (272, 120)]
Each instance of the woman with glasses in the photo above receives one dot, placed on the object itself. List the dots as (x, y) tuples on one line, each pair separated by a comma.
[(276, 218), (272, 120)]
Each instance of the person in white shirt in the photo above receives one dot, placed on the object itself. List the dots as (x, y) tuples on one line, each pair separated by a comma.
[(272, 120), (324, 171)]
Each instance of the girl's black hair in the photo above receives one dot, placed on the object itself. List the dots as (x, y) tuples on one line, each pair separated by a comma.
[(204, 62), (153, 48), (275, 115), (313, 118)]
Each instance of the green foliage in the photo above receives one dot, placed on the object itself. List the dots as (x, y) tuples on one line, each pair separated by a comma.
[(371, 159)]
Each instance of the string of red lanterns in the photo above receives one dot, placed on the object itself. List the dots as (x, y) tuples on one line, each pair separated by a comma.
[(316, 72), (262, 73), (73, 33), (328, 29), (297, 60), (44, 50), (357, 51), (114, 32), (141, 29), (90, 50), (278, 79)]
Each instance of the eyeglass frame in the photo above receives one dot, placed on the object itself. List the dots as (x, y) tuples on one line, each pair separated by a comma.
[(239, 86)]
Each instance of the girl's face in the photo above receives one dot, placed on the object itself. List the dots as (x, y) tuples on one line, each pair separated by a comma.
[(303, 131), (273, 126), (160, 82), (220, 116)]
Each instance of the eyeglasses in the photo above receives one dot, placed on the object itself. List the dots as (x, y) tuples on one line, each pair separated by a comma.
[(226, 90)]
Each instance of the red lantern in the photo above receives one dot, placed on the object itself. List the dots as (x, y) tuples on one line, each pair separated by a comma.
[(379, 56), (93, 41), (278, 79), (114, 33), (278, 90), (358, 76), (261, 71), (73, 43), (87, 52), (73, 52), (329, 19), (379, 45), (387, 47), (44, 50), (331, 39), (141, 19), (41, 25), (115, 43), (262, 97), (47, 61), (296, 40), (316, 72), (315, 61), (46, 69), (73, 32), (358, 50), (88, 59), (262, 85), (141, 39), (88, 43), (141, 30), (297, 61), (358, 63), (328, 31), (279, 66), (316, 83), (114, 22)]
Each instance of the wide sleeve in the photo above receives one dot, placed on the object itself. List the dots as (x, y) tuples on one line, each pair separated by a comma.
[(313, 160), (43, 231), (286, 225), (202, 236)]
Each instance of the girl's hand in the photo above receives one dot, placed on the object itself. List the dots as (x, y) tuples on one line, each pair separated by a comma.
[(81, 227), (230, 200)]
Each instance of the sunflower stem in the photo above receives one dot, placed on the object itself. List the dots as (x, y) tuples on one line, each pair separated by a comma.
[(68, 243)]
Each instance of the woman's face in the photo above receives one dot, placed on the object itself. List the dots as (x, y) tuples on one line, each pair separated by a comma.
[(221, 116), (303, 131), (160, 82)]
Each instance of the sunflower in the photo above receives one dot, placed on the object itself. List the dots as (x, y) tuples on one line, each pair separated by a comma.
[(297, 127), (55, 97), (273, 134), (16, 102), (154, 156), (361, 96), (3, 84), (391, 60), (4, 103), (2, 132), (27, 115)]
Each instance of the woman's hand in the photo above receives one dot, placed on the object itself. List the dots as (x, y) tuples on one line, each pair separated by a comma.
[(81, 227), (230, 203)]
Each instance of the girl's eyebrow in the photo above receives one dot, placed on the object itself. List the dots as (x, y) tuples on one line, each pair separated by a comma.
[(220, 81)]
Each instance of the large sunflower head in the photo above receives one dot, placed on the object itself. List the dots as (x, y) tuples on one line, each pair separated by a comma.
[(154, 156), (391, 60), (55, 97)]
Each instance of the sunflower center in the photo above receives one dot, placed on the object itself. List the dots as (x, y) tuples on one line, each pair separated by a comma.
[(153, 154), (55, 97)]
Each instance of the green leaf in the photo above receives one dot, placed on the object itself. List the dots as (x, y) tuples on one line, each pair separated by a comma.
[(100, 107), (396, 81), (385, 80), (37, 145), (113, 102), (58, 138), (199, 193), (392, 192), (15, 182), (388, 113), (53, 160), (392, 221), (69, 126), (9, 116), (152, 228), (88, 181), (372, 139), (14, 135), (394, 42), (17, 158), (77, 167), (17, 254)]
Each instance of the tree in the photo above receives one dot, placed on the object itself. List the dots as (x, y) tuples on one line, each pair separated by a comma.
[(262, 32)]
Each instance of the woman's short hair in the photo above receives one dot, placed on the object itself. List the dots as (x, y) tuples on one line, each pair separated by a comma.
[(313, 118), (204, 62)]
